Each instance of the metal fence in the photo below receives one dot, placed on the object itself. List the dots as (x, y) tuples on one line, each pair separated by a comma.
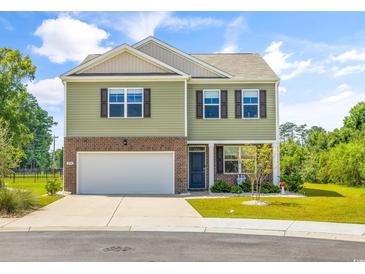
[(36, 174)]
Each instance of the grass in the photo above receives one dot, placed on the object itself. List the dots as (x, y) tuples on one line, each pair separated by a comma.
[(35, 186), (324, 202)]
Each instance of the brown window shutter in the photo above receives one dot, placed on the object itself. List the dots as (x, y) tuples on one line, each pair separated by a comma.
[(238, 103), (199, 104), (147, 103), (224, 110), (219, 159), (104, 102), (263, 108)]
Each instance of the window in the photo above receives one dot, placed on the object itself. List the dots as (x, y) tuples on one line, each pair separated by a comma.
[(211, 104), (250, 103), (239, 159), (134, 102), (116, 103), (126, 102)]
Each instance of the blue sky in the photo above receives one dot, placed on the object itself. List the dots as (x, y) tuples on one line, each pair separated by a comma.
[(320, 56)]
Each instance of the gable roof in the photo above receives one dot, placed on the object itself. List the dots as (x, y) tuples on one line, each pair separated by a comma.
[(246, 66), (164, 59), (94, 60), (177, 58)]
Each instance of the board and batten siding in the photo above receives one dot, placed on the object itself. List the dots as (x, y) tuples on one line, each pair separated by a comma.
[(175, 60), (83, 111), (231, 128)]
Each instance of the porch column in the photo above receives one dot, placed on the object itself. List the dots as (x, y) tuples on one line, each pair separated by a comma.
[(211, 165), (275, 163)]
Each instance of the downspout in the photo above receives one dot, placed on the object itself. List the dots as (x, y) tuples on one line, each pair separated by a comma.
[(277, 142), (186, 106)]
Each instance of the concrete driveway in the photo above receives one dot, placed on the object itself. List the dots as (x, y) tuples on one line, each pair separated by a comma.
[(111, 211)]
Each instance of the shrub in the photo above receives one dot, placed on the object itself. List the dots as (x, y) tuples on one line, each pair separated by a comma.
[(294, 183), (236, 189), (53, 186), (246, 187), (12, 201), (269, 188), (220, 186)]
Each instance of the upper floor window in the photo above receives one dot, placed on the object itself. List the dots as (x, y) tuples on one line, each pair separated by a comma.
[(134, 102), (250, 103), (211, 104), (125, 102)]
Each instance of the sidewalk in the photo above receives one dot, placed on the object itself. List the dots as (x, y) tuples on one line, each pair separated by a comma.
[(319, 230)]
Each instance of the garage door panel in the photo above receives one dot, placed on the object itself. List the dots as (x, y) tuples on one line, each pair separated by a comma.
[(126, 173)]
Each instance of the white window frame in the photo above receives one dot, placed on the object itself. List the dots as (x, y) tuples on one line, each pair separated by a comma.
[(125, 90), (219, 104), (238, 160), (250, 104)]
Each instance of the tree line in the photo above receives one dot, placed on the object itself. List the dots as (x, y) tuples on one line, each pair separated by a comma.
[(25, 127), (316, 155)]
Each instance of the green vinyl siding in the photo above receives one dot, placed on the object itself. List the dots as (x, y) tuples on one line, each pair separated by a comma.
[(231, 128), (167, 111)]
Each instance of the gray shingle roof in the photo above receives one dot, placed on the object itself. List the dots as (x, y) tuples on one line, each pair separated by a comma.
[(248, 66), (89, 58)]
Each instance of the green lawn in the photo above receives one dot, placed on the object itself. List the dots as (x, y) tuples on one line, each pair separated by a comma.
[(326, 203), (36, 186)]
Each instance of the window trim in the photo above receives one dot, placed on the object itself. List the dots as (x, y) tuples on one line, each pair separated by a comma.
[(238, 160), (125, 103), (250, 104), (219, 104)]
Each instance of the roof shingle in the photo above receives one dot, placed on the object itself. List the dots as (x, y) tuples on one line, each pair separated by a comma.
[(248, 66)]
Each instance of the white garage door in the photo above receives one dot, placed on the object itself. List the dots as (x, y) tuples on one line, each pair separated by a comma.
[(125, 173)]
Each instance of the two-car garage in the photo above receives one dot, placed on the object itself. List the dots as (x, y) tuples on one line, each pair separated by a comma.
[(137, 172)]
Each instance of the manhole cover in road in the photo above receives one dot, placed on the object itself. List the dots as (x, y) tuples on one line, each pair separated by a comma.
[(117, 249)]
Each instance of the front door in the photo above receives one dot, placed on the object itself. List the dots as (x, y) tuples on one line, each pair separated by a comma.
[(197, 168)]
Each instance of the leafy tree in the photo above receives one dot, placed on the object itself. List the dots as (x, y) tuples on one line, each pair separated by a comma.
[(356, 119), (292, 156), (259, 170), (40, 125), (59, 158), (9, 155), (15, 71), (28, 124), (317, 139), (346, 164)]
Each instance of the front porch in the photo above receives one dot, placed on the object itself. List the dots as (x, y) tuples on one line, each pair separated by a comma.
[(212, 161)]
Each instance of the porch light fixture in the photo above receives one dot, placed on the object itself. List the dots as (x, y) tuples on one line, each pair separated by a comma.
[(125, 142)]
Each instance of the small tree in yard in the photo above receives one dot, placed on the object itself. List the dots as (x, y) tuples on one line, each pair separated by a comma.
[(9, 155), (258, 167)]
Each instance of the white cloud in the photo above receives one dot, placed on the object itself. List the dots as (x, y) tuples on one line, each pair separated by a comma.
[(351, 55), (47, 91), (282, 89), (179, 23), (327, 112), (6, 24), (67, 39), (139, 25), (347, 70), (232, 34), (279, 61)]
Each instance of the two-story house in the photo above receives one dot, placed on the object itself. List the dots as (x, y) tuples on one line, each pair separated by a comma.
[(152, 119)]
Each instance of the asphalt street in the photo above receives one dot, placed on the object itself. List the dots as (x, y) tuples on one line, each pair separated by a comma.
[(170, 246)]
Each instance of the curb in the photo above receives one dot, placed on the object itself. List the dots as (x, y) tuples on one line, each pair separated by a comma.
[(196, 229)]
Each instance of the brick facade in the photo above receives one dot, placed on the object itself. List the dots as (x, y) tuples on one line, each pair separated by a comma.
[(178, 144)]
